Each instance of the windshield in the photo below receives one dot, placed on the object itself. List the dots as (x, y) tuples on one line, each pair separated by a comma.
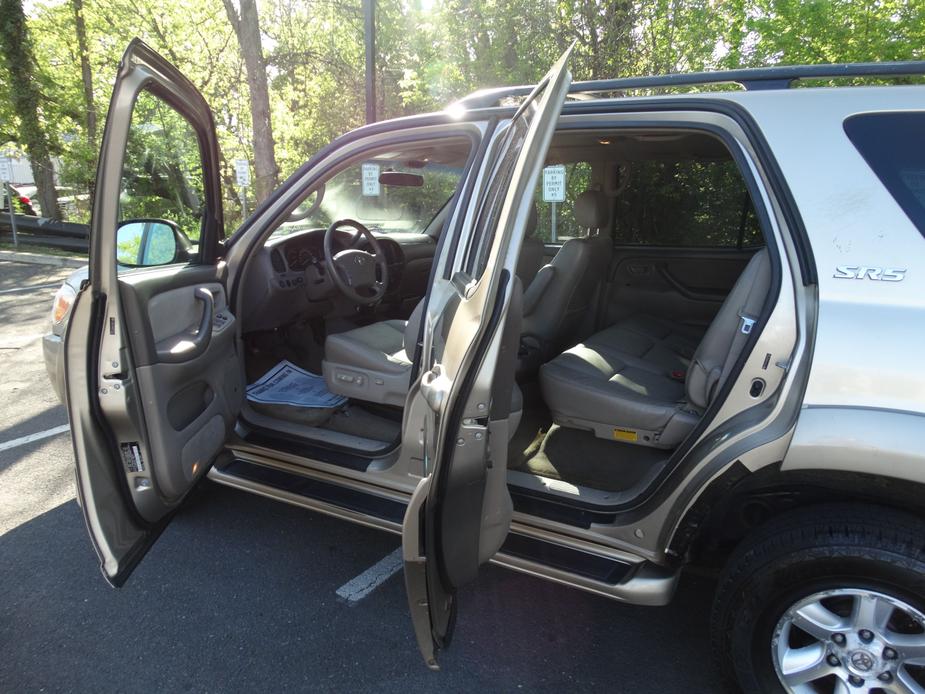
[(393, 192)]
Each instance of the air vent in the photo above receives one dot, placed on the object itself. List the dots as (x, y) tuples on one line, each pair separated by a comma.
[(276, 260)]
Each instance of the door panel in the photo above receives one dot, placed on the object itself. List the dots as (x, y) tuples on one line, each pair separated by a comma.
[(190, 404), (686, 286), (460, 513), (153, 378)]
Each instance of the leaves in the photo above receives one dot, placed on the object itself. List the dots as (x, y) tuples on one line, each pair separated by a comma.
[(429, 53)]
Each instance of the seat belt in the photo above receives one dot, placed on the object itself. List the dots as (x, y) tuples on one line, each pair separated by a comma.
[(746, 323)]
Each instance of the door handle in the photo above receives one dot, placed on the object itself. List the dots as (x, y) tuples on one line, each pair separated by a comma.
[(640, 270), (188, 346)]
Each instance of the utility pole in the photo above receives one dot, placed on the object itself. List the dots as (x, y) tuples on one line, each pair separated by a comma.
[(369, 30)]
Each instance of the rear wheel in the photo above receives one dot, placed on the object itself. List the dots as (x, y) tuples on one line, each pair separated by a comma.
[(829, 599)]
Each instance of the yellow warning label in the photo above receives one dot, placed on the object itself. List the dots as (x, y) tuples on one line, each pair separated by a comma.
[(625, 435)]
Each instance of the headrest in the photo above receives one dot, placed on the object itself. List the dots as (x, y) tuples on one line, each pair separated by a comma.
[(531, 221), (591, 209)]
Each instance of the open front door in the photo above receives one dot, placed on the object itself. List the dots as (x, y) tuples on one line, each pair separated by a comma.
[(457, 413), (153, 381)]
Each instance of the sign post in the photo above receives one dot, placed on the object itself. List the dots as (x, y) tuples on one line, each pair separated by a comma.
[(242, 174), (553, 192), (6, 175)]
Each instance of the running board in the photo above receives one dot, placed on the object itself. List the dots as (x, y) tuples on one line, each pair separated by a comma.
[(619, 576)]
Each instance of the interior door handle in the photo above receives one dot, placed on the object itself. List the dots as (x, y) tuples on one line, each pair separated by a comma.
[(187, 346), (640, 270)]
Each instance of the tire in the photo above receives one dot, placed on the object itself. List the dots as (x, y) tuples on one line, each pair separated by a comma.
[(836, 556)]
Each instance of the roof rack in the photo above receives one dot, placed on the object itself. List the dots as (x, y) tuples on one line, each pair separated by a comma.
[(752, 79)]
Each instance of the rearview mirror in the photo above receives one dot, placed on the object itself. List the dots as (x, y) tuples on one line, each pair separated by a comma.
[(401, 179), (148, 242)]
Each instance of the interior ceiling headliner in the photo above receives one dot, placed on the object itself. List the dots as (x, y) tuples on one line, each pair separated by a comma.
[(638, 145)]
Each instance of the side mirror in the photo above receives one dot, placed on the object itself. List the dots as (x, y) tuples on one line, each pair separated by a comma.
[(148, 242)]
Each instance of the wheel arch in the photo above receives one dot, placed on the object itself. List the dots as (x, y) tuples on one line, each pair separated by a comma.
[(739, 502)]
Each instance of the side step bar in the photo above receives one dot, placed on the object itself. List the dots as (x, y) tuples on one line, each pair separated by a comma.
[(624, 577)]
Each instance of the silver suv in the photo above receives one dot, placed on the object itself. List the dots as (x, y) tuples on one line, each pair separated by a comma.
[(588, 336)]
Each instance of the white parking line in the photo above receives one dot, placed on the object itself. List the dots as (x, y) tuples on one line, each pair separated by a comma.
[(30, 288), (358, 588), (23, 440)]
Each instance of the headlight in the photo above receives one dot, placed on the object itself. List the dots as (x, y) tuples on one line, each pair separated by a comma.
[(61, 306)]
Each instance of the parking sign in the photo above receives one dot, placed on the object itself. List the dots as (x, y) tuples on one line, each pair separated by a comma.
[(554, 183), (242, 172), (370, 175)]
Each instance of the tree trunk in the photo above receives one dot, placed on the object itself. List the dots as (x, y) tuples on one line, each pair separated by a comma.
[(246, 25), (86, 75), (18, 62)]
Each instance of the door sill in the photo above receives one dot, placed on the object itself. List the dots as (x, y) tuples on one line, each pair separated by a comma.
[(578, 564)]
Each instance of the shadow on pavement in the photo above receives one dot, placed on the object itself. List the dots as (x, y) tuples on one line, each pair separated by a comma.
[(238, 594)]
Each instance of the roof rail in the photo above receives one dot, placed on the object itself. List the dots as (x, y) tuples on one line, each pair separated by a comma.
[(752, 79)]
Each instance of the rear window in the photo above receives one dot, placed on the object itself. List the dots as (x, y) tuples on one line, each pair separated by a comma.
[(893, 145), (689, 202)]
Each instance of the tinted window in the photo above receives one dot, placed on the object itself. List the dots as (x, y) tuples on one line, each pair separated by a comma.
[(691, 202), (562, 226), (893, 144)]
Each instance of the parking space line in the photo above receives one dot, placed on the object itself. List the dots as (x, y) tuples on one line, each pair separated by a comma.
[(358, 588), (30, 288), (23, 440)]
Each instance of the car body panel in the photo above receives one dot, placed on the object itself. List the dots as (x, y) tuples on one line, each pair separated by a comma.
[(837, 351)]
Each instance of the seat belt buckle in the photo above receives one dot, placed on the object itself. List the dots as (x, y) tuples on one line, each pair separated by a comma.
[(678, 375), (747, 324)]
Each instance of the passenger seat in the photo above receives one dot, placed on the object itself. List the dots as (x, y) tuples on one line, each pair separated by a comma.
[(647, 381), (559, 302)]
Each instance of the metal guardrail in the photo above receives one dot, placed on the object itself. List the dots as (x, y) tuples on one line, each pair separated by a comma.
[(40, 231)]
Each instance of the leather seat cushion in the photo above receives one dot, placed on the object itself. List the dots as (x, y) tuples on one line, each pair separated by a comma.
[(378, 346), (658, 344), (595, 383), (646, 380)]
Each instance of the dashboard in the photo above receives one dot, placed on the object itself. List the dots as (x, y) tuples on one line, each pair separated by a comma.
[(288, 278), (292, 256)]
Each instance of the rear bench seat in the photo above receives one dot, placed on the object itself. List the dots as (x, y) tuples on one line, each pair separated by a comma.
[(646, 380)]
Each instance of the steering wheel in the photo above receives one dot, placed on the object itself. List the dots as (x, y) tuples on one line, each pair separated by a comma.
[(359, 275)]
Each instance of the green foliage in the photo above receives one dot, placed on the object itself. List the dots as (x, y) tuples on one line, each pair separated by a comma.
[(162, 176), (694, 202), (429, 53)]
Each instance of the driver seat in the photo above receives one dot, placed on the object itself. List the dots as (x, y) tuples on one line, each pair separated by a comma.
[(373, 362)]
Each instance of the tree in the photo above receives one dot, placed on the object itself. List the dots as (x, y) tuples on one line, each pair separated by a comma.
[(19, 64), (86, 74), (246, 25)]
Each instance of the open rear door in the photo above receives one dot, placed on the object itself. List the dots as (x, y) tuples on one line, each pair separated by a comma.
[(457, 411), (153, 379)]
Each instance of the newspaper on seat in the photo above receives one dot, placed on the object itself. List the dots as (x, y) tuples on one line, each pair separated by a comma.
[(287, 384)]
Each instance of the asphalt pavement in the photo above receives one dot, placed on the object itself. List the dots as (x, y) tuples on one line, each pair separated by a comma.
[(240, 592)]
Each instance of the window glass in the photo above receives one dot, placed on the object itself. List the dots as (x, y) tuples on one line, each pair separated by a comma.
[(162, 177), (893, 146), (556, 220), (504, 159), (389, 193), (691, 202)]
